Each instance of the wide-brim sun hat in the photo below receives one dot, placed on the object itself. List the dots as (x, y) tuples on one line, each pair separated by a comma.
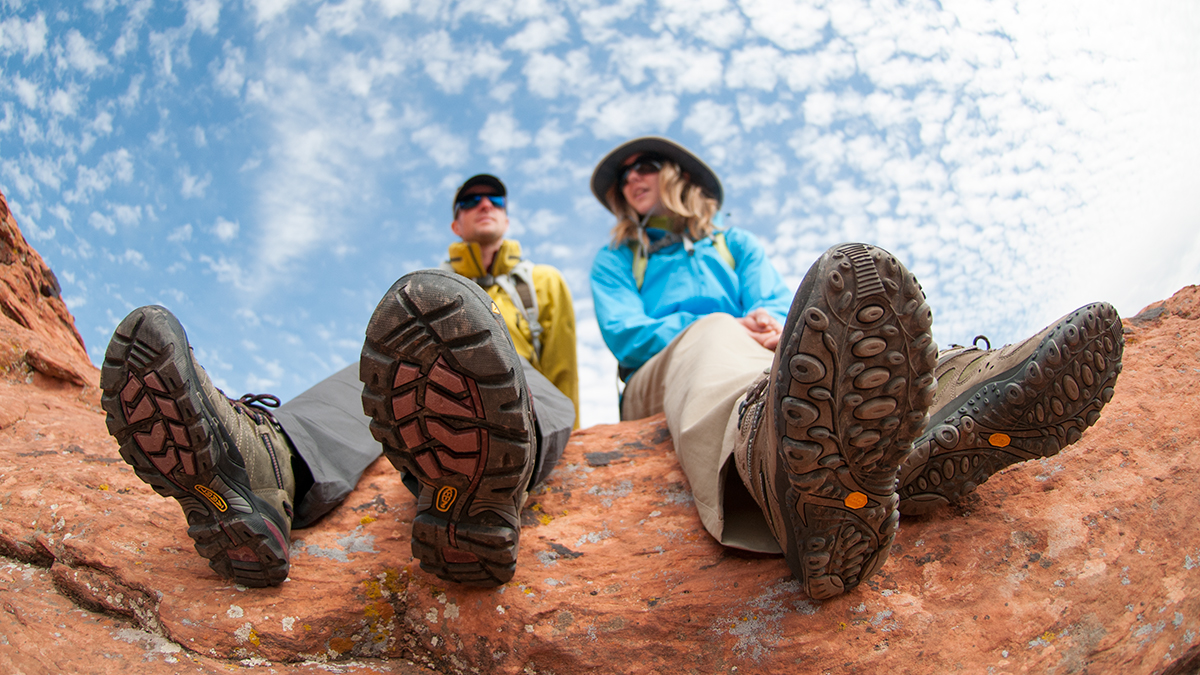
[(608, 171)]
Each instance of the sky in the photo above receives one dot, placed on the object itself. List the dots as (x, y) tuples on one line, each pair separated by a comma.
[(267, 168)]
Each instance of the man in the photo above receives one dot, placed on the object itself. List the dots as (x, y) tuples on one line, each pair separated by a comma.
[(470, 423), (795, 418)]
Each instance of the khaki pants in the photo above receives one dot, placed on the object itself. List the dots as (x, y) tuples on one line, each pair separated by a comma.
[(698, 381)]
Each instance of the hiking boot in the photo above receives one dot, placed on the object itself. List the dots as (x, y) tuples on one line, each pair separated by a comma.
[(227, 462), (447, 398), (821, 437), (997, 407)]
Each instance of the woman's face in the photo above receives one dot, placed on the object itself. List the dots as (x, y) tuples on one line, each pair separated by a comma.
[(640, 189)]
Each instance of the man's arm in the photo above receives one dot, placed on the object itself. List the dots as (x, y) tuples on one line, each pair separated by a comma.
[(556, 314)]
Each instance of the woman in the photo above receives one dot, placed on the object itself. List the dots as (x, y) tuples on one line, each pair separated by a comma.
[(695, 317)]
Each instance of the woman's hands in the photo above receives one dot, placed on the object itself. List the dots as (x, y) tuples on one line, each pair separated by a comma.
[(763, 327)]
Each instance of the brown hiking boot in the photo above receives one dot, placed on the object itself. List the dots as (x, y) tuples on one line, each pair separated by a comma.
[(998, 407), (447, 399), (820, 442), (227, 462)]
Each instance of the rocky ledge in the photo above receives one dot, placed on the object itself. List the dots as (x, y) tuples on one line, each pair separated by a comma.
[(1088, 561)]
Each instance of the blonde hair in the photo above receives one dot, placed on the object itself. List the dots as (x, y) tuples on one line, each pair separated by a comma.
[(686, 204)]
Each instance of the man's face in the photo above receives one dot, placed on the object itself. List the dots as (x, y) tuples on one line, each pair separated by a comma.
[(482, 224)]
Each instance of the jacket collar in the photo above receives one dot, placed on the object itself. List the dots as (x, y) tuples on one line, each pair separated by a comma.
[(466, 259)]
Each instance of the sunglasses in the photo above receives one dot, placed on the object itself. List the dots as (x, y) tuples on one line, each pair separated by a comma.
[(644, 166), (471, 201)]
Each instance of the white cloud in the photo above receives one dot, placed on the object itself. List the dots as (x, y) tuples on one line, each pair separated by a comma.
[(266, 10), (538, 35), (203, 14), (501, 132), (18, 36), (544, 222), (225, 230), (27, 91), (181, 233), (443, 146), (674, 67), (715, 21), (102, 222), (134, 258), (81, 55), (228, 76), (116, 165), (126, 214), (228, 272), (548, 76), (629, 115), (791, 25), (755, 67), (199, 137), (342, 19), (193, 186), (451, 66), (65, 101), (754, 113), (711, 121)]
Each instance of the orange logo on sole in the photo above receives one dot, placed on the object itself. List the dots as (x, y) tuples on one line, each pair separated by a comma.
[(445, 498), (213, 497), (999, 440), (855, 500)]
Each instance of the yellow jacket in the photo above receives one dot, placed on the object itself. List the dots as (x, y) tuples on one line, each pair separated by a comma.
[(556, 314)]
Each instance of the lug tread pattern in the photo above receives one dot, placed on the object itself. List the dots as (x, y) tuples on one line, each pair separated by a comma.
[(448, 402), (157, 413), (853, 382), (1031, 412)]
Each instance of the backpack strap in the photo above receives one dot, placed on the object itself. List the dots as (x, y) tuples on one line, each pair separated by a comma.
[(518, 284), (641, 257)]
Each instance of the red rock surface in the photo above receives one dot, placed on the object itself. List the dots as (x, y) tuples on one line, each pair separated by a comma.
[(1084, 562), (37, 332)]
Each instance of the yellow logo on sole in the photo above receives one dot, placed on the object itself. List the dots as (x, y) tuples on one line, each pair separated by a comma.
[(495, 308), (445, 498), (212, 497)]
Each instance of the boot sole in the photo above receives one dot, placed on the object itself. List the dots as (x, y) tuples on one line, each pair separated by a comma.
[(853, 383), (448, 401), (160, 417), (1030, 411)]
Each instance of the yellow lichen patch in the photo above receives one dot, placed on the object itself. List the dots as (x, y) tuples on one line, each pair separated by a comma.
[(394, 581), (102, 486), (544, 519), (1049, 636), (536, 507), (366, 520)]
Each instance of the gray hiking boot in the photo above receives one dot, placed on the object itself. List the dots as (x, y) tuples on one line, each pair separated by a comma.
[(447, 399), (820, 441), (227, 462), (997, 407)]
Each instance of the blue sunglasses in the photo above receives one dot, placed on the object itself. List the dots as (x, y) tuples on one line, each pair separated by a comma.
[(471, 201)]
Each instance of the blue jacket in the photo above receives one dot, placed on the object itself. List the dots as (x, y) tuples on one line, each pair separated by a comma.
[(679, 288)]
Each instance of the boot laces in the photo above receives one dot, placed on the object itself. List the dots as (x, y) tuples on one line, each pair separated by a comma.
[(257, 406)]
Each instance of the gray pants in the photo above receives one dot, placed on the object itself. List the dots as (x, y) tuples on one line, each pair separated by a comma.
[(332, 436)]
